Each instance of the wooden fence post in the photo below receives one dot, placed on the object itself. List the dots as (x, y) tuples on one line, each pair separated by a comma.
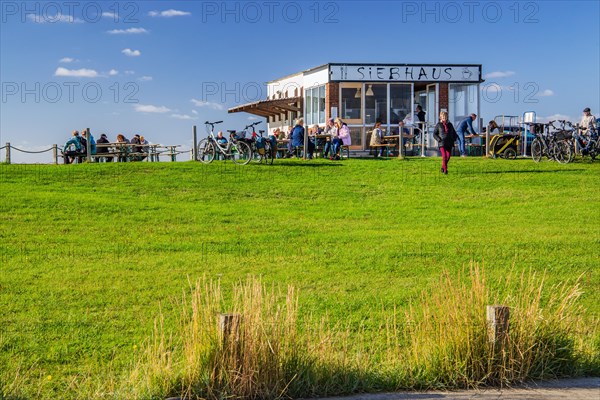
[(88, 150), (497, 319), (229, 327), (7, 158), (194, 141), (55, 153)]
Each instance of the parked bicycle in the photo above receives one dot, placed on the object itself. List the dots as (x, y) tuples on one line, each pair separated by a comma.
[(584, 144), (239, 151), (548, 144)]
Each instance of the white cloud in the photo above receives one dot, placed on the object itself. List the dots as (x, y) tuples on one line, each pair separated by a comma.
[(145, 79), (499, 74), (195, 112), (130, 31), (108, 14), (214, 106), (252, 118), (131, 53), (556, 117), (151, 109), (113, 72), (53, 19), (182, 116), (67, 60), (169, 13), (546, 93), (77, 73), (129, 72)]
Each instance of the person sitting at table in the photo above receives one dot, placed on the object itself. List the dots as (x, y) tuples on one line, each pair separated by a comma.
[(278, 134), (343, 138), (103, 149), (377, 139), (331, 131), (123, 149), (297, 140), (319, 142), (72, 149), (87, 136), (221, 139), (493, 128)]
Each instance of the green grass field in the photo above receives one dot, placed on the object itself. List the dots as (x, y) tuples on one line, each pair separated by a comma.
[(91, 253)]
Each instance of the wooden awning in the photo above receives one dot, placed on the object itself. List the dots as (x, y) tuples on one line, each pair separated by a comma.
[(270, 108)]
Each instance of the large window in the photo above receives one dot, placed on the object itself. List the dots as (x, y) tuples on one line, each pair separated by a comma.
[(462, 102), (351, 104), (376, 103), (400, 102), (315, 105)]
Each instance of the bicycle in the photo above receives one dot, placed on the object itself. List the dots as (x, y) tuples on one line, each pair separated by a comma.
[(239, 151), (546, 144), (584, 144)]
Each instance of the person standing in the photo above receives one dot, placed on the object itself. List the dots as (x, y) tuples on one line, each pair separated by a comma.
[(465, 127), (445, 135)]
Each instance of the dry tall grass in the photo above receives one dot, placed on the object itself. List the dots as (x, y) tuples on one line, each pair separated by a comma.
[(443, 342)]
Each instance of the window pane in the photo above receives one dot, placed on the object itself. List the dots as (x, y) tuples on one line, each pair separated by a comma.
[(376, 104), (356, 135), (400, 102), (462, 102), (322, 104), (308, 99), (351, 108), (315, 105)]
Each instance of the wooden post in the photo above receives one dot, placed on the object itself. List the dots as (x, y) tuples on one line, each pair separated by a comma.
[(7, 158), (229, 327), (55, 153), (497, 319), (88, 150), (194, 144)]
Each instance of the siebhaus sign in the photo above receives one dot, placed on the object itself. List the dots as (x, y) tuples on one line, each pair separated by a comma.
[(404, 73)]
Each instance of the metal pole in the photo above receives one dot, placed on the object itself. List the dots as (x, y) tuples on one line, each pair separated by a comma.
[(423, 144), (487, 142), (7, 160), (195, 140), (55, 153)]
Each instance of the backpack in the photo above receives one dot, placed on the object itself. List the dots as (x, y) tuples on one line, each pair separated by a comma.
[(260, 145)]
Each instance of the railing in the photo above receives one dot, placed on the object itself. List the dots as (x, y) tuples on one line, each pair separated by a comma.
[(170, 151)]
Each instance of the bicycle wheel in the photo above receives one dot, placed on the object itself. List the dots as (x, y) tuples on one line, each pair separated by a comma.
[(206, 151), (536, 150), (562, 151), (510, 154), (241, 153)]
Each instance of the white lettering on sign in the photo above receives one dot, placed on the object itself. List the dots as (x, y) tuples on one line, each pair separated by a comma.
[(405, 73)]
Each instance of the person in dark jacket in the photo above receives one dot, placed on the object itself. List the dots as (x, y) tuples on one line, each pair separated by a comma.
[(445, 134), (100, 150), (297, 139)]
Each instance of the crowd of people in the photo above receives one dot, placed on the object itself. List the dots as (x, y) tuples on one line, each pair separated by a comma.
[(123, 149), (331, 138)]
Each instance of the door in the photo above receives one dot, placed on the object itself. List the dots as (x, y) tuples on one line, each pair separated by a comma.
[(432, 113)]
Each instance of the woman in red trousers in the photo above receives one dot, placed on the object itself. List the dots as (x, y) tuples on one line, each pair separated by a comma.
[(445, 134)]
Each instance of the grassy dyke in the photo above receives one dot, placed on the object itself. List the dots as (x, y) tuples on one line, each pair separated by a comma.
[(89, 252)]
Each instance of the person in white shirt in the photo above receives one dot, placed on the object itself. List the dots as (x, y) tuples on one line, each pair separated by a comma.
[(588, 122)]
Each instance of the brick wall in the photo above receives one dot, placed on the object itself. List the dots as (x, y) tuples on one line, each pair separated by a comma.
[(332, 97), (443, 96)]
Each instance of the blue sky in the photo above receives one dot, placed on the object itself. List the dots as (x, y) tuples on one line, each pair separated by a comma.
[(142, 67)]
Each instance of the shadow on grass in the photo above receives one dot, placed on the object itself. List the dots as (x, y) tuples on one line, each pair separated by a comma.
[(531, 171)]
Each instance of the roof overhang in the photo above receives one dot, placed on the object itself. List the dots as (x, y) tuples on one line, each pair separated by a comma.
[(269, 108)]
